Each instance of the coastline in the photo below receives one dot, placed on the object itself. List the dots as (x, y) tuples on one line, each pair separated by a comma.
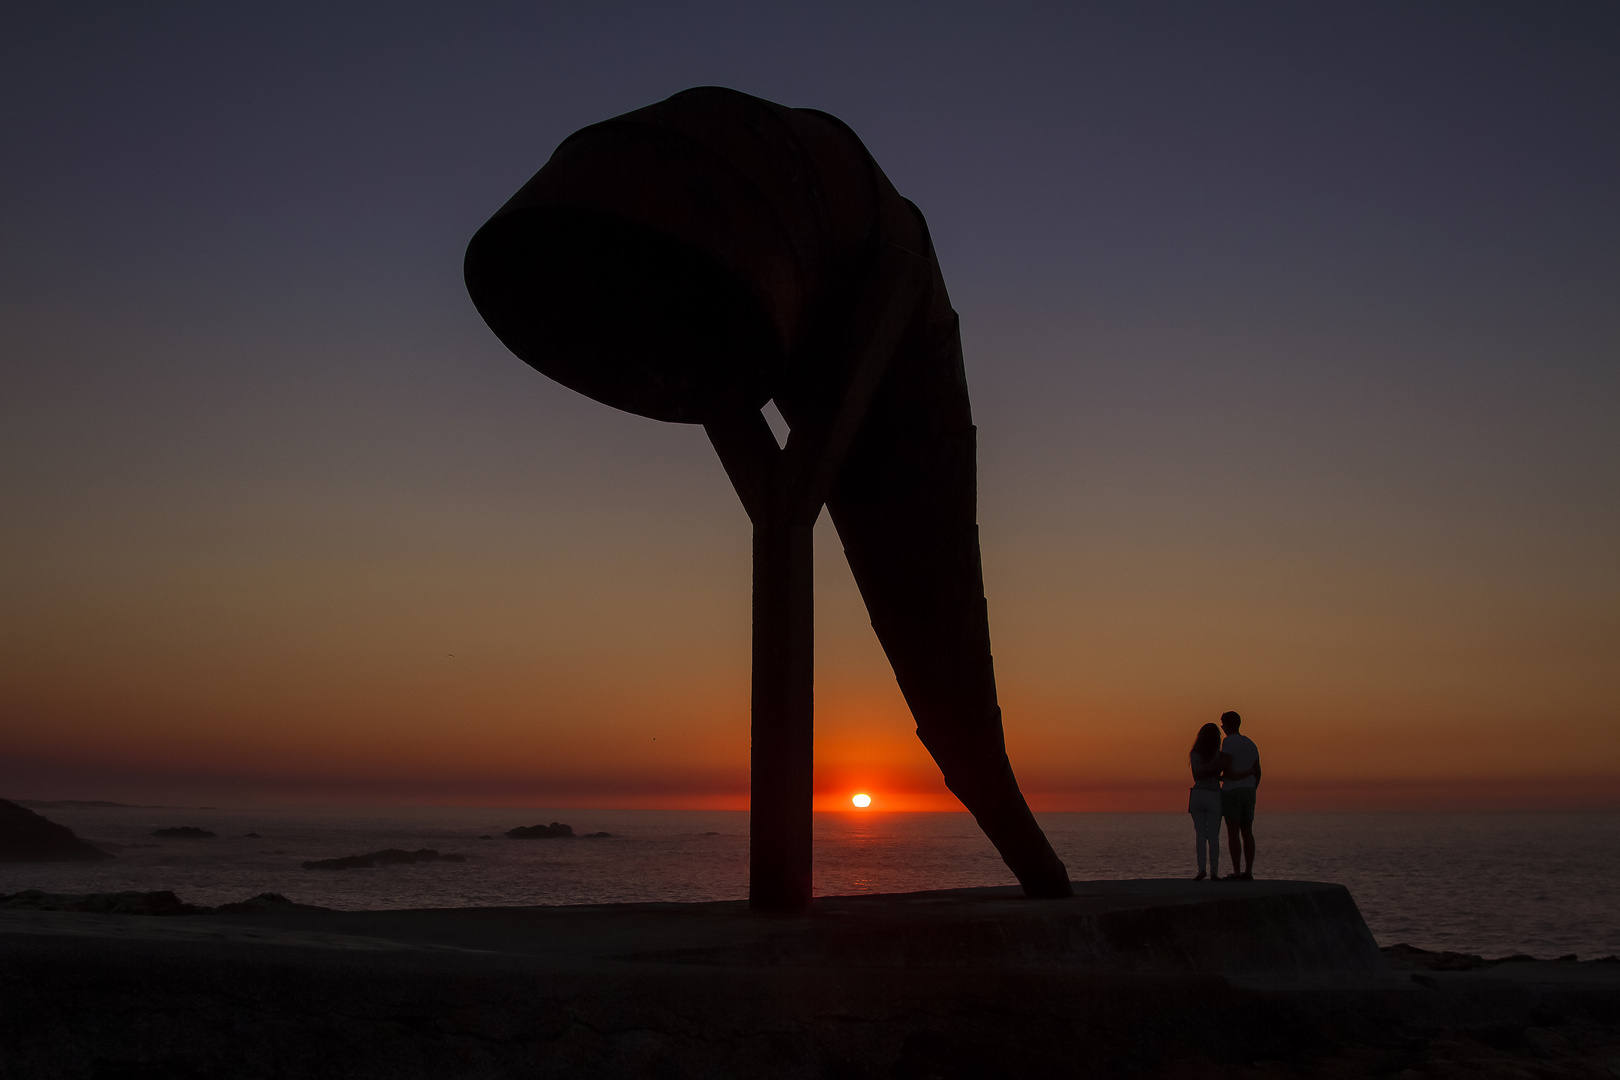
[(1436, 882)]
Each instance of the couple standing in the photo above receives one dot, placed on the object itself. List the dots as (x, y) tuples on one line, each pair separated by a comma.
[(1226, 774)]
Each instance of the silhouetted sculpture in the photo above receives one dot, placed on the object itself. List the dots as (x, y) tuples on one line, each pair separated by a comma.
[(691, 261)]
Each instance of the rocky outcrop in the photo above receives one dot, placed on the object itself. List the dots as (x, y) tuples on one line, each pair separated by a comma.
[(1404, 957), (184, 832), (386, 857), (117, 903), (265, 903), (27, 837), (147, 903), (555, 831), (560, 992)]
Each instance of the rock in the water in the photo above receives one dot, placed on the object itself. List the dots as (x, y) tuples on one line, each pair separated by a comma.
[(382, 858), (118, 903), (27, 837), (263, 903), (597, 836), (347, 862), (555, 831), (254, 836), (184, 832)]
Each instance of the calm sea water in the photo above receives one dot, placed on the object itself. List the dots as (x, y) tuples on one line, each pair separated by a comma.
[(1546, 884)]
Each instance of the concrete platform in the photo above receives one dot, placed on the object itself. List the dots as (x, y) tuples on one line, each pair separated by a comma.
[(1126, 978), (1283, 928)]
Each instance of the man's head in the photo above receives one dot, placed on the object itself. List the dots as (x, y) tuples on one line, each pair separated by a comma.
[(1230, 722)]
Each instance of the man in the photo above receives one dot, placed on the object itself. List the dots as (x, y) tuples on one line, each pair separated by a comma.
[(1238, 785)]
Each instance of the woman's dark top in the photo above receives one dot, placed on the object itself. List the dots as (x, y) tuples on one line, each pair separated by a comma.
[(1206, 772)]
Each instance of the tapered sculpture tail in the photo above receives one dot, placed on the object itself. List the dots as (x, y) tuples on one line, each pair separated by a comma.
[(905, 507)]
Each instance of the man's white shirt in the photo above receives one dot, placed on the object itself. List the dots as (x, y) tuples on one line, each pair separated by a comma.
[(1244, 755)]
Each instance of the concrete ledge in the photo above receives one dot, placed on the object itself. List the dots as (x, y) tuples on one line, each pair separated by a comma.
[(1274, 928)]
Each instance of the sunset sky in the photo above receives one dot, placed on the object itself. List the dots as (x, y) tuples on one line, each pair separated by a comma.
[(1292, 331)]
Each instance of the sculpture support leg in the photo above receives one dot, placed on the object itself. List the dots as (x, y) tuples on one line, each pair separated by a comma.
[(782, 760)]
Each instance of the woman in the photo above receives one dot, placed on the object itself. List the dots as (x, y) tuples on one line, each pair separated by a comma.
[(1204, 801)]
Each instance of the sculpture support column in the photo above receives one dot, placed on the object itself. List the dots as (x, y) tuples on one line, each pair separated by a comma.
[(782, 759), (783, 491)]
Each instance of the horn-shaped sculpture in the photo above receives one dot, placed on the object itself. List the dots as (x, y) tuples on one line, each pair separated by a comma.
[(695, 259)]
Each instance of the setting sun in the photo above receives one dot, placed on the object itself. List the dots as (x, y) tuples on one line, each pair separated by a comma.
[(862, 801)]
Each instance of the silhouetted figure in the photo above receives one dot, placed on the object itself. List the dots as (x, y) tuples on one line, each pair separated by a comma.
[(695, 259), (1204, 800), (1239, 782)]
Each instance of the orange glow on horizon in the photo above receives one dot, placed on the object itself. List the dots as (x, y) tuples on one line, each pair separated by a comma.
[(94, 708), (892, 802)]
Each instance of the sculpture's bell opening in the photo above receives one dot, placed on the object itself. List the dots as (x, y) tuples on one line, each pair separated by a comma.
[(623, 314)]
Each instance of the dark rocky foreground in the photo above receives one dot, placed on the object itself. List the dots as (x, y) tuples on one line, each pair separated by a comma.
[(1143, 979)]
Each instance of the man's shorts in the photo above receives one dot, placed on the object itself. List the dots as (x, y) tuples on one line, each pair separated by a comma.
[(1237, 805)]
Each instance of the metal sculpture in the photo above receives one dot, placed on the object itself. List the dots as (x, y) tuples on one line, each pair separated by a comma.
[(691, 261)]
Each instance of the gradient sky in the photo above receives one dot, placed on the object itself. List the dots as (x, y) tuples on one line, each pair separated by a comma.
[(1293, 334)]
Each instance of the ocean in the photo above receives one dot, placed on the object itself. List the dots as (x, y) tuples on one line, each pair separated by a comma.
[(1542, 883)]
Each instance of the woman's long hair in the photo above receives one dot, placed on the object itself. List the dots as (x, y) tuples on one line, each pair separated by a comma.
[(1208, 743)]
